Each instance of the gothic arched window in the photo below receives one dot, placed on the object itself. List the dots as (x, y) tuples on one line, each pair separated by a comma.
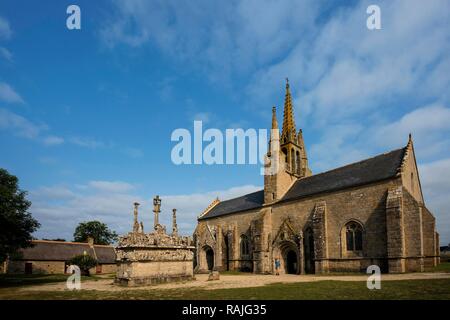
[(353, 233), (244, 246)]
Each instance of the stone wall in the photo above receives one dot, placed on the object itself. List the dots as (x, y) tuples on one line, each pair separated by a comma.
[(210, 234), (38, 267), (153, 272), (51, 267), (365, 205), (109, 268), (398, 230)]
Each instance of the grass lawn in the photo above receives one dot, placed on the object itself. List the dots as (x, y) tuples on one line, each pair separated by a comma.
[(442, 267), (407, 289), (19, 280), (14, 287)]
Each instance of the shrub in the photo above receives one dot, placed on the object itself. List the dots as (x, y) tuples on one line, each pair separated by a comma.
[(85, 262)]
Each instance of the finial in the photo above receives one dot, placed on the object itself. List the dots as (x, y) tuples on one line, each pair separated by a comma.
[(410, 136), (287, 82), (274, 118)]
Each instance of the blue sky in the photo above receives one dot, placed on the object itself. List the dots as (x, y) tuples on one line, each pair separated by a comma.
[(86, 115)]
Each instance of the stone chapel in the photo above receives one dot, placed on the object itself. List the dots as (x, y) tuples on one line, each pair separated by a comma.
[(371, 212)]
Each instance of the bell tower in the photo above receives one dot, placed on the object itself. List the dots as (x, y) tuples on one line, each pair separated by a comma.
[(286, 159), (292, 146)]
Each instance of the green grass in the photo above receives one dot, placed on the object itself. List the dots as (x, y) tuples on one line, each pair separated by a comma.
[(398, 290), (19, 280), (15, 287), (442, 267)]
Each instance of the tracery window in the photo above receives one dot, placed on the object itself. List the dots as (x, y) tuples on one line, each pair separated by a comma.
[(245, 250), (354, 235)]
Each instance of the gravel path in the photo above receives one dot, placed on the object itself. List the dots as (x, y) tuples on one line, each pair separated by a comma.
[(234, 281)]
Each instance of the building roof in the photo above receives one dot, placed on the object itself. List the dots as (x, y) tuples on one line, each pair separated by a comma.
[(371, 170), (374, 169), (247, 202), (45, 250)]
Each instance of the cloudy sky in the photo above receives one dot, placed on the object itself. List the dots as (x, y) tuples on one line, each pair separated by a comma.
[(86, 115)]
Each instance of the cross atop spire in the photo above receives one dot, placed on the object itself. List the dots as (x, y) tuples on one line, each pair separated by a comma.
[(288, 117)]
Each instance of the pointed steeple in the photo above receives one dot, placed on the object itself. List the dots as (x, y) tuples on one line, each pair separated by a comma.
[(304, 170), (274, 133), (288, 117)]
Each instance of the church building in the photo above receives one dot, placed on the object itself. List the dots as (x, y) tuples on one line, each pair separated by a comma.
[(371, 212)]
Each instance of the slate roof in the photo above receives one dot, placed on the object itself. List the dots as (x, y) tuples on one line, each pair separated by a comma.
[(374, 169), (44, 250), (247, 202)]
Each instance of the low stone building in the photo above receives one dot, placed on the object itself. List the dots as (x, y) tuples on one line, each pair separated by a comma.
[(370, 212), (155, 257), (52, 257)]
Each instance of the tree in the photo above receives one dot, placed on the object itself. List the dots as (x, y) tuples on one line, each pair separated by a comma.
[(85, 262), (95, 229), (16, 223)]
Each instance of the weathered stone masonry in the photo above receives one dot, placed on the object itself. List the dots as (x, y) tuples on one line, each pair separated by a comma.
[(369, 212)]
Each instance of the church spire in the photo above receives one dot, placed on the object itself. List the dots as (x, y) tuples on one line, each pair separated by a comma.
[(288, 117)]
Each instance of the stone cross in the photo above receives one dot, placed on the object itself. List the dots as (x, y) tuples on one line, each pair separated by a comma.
[(156, 210), (136, 223), (174, 222)]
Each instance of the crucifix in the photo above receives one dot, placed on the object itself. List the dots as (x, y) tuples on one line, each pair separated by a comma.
[(156, 210)]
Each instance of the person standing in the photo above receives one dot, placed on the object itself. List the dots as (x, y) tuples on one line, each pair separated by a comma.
[(277, 266)]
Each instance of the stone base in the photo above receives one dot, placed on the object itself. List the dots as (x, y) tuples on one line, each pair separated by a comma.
[(147, 281), (214, 275)]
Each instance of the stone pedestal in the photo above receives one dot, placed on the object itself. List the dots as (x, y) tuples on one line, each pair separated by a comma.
[(146, 259)]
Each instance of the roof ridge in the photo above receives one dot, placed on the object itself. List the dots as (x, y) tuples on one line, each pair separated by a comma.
[(242, 195), (352, 163), (214, 203), (69, 242)]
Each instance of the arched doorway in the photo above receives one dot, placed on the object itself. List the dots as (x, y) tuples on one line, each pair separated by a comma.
[(308, 243), (209, 253), (291, 262), (288, 253)]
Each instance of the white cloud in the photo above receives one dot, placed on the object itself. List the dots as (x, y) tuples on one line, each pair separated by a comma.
[(53, 140), (6, 54), (8, 94), (48, 160), (133, 152), (346, 71), (237, 37), (429, 126), (5, 29), (19, 125), (111, 186), (435, 180), (53, 193), (87, 142), (60, 209)]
